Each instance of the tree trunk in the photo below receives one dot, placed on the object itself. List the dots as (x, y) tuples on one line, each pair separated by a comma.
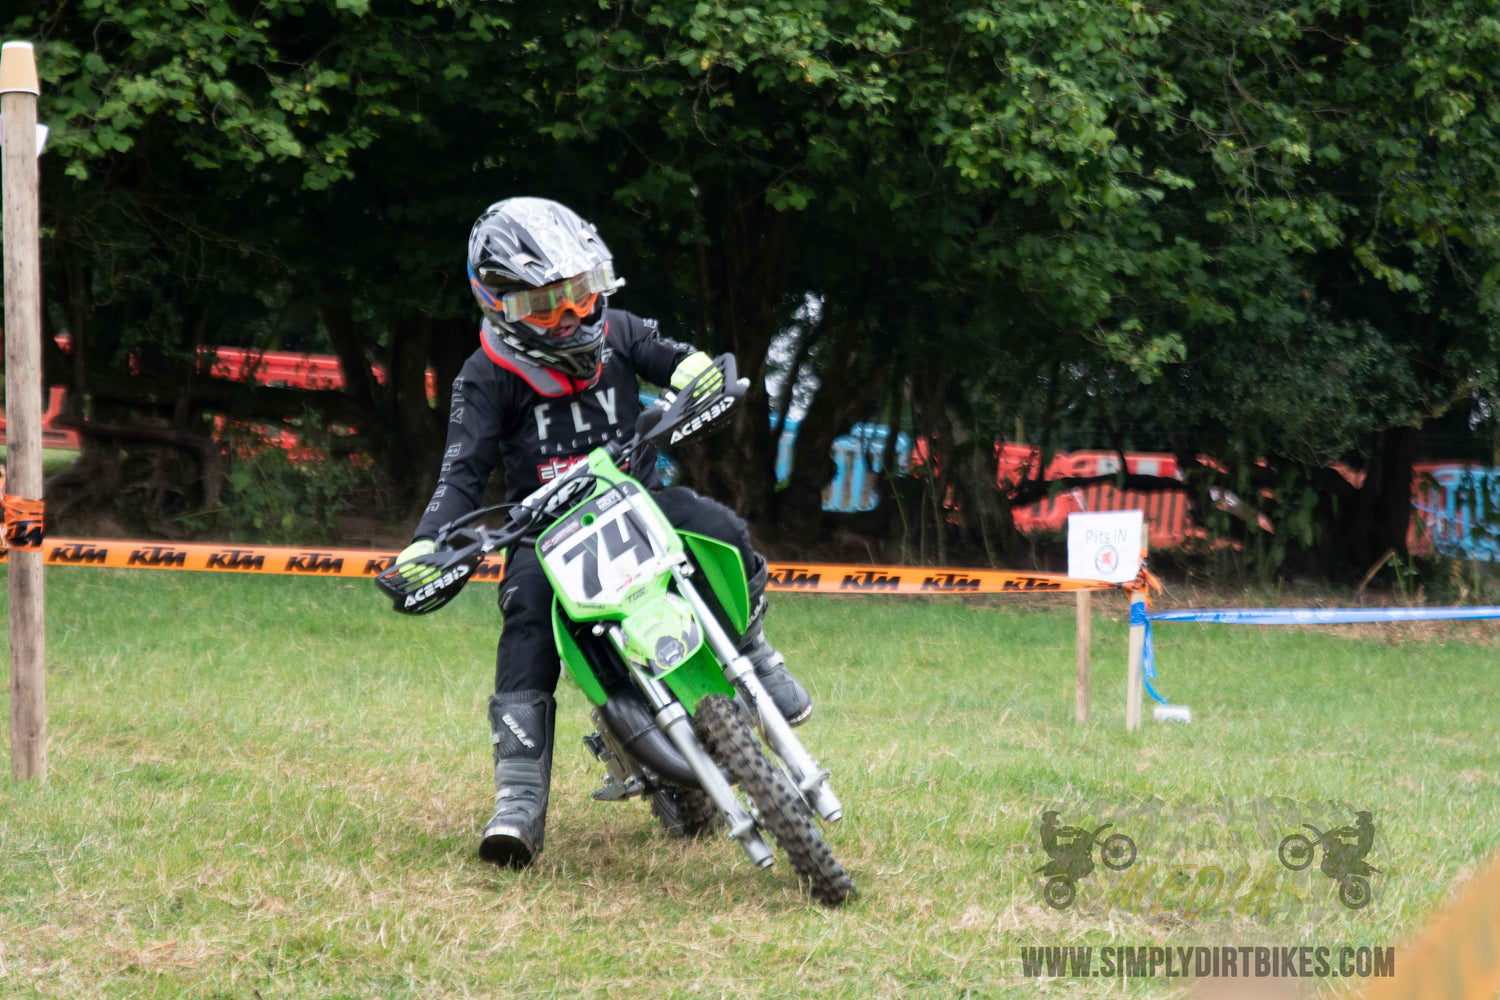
[(419, 437), (1383, 513), (745, 274)]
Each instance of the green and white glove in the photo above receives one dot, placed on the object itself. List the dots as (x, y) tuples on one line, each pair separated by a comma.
[(691, 367), (419, 574)]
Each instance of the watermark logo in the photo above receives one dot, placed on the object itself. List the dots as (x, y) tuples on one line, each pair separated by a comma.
[(1070, 850), (1210, 859), (1344, 961), (1344, 851)]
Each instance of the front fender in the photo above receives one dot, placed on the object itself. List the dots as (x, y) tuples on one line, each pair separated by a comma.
[(665, 639)]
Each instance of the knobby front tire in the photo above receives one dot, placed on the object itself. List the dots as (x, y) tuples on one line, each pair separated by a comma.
[(685, 812), (781, 811)]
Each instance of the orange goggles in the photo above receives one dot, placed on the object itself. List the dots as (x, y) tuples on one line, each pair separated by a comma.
[(580, 308), (545, 306)]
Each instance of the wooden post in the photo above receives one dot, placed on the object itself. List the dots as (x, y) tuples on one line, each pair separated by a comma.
[(23, 402), (1082, 644), (1134, 681)]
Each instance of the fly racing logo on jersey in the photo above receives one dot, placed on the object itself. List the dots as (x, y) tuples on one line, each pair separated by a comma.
[(456, 402), (515, 727), (595, 411), (553, 468)]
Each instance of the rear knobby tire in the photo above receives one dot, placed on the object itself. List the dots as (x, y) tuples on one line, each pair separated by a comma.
[(685, 812), (782, 812)]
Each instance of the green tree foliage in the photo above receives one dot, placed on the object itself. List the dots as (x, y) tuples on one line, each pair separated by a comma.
[(1344, 159)]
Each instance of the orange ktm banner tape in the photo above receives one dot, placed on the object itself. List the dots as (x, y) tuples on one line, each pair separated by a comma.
[(226, 557), (825, 578), (23, 522), (1456, 956), (816, 578)]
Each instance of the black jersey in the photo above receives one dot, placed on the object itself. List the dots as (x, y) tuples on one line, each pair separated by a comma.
[(506, 411)]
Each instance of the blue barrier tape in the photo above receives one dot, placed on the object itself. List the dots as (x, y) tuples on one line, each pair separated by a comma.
[(1319, 616), (1288, 616), (1140, 616), (1148, 665)]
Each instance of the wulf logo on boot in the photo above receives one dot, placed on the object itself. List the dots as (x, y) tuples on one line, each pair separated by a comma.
[(515, 727)]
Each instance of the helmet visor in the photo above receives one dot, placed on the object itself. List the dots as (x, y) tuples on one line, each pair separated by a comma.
[(545, 306)]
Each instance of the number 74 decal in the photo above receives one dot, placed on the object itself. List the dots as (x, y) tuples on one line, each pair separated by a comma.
[(617, 543)]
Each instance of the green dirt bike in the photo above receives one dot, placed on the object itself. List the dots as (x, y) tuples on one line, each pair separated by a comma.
[(646, 621)]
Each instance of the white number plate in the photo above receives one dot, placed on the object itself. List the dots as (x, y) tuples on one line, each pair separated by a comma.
[(598, 563)]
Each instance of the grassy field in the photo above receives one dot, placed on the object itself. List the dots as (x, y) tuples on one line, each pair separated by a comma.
[(54, 460), (271, 788)]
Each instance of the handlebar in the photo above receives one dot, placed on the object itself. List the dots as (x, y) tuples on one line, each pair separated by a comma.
[(426, 583)]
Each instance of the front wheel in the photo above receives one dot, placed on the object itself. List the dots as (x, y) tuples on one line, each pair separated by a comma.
[(1118, 852), (1354, 891), (781, 810), (685, 812), (1295, 851), (1059, 892)]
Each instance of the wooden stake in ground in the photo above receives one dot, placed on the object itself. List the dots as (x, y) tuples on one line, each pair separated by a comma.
[(23, 406), (1134, 675), (1083, 642)]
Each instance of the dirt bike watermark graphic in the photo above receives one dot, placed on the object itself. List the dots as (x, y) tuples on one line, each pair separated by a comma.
[(1071, 853), (1344, 851)]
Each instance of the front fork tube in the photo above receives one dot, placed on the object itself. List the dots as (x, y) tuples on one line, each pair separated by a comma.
[(672, 719), (812, 781)]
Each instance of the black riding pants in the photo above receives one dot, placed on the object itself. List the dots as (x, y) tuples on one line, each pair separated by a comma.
[(527, 658)]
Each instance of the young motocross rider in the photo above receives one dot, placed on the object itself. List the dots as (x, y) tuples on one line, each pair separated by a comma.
[(554, 378)]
